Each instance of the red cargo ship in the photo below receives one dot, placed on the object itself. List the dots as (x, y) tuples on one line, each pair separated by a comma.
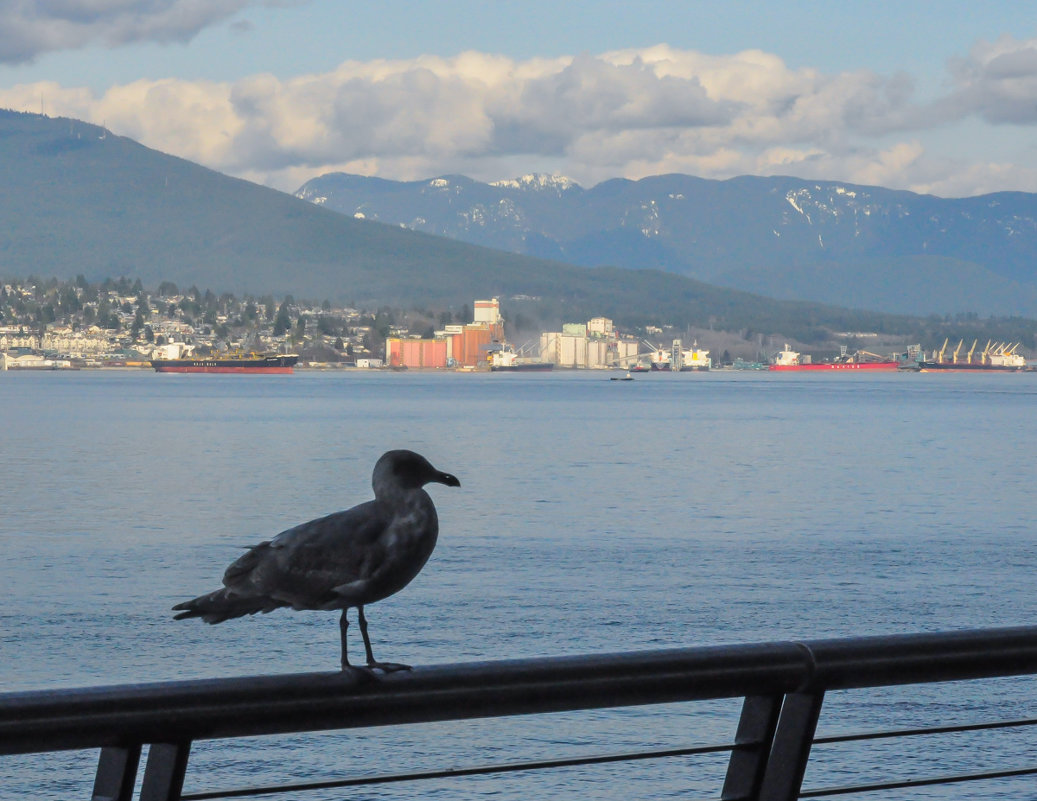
[(788, 359)]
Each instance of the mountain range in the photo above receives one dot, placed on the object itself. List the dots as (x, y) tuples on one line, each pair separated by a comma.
[(78, 200), (830, 242)]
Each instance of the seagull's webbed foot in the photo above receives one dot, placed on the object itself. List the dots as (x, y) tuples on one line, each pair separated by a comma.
[(372, 663)]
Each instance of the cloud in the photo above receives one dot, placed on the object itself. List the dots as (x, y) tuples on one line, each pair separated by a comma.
[(30, 28), (625, 113), (997, 81)]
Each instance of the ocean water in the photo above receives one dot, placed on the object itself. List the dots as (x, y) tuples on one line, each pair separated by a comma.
[(593, 516)]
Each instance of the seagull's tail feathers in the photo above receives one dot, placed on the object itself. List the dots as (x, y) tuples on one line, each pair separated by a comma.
[(224, 604)]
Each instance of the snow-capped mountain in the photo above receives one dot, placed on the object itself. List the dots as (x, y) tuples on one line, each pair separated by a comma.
[(858, 246), (540, 182)]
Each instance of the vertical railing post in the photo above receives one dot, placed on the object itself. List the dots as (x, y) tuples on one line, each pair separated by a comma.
[(164, 772), (753, 741), (116, 773), (793, 738)]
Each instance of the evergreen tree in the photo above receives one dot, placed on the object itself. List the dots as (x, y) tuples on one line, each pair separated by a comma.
[(138, 324), (283, 321)]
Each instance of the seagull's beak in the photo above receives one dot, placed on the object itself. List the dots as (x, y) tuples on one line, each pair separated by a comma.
[(446, 478)]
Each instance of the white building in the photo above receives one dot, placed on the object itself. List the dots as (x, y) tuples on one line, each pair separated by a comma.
[(12, 339), (75, 343), (486, 311), (595, 345)]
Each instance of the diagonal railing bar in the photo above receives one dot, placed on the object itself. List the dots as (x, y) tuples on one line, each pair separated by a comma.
[(754, 737), (450, 773), (790, 752), (820, 792), (922, 731)]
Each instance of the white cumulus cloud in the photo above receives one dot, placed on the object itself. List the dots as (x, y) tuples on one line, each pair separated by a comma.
[(624, 113), (998, 81)]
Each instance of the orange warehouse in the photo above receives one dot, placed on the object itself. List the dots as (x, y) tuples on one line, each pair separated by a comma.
[(469, 347), (416, 352)]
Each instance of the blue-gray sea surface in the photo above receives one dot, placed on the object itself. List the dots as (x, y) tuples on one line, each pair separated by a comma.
[(593, 516)]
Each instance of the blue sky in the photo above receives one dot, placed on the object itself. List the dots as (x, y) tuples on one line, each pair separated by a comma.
[(934, 97)]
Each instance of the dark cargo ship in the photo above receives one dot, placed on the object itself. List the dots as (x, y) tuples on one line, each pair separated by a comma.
[(504, 360), (522, 367), (276, 364), (998, 357)]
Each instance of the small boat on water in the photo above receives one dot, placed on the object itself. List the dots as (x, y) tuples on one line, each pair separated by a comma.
[(626, 377)]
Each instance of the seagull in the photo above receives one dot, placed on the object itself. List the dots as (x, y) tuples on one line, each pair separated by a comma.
[(347, 559)]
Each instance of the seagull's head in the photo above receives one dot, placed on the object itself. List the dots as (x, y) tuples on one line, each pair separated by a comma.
[(408, 470)]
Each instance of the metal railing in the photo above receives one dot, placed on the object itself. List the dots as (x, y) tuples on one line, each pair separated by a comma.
[(783, 685)]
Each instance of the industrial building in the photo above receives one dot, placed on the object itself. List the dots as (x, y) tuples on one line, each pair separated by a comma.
[(594, 344), (454, 346)]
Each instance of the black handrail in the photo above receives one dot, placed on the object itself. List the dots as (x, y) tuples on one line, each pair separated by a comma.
[(260, 705), (783, 684)]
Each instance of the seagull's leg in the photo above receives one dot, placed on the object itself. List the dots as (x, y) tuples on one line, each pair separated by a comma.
[(388, 667), (343, 624)]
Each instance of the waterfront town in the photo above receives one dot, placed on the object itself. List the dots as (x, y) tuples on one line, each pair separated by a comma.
[(53, 325), (50, 325)]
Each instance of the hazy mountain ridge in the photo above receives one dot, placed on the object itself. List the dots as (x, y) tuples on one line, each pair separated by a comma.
[(77, 199), (768, 235)]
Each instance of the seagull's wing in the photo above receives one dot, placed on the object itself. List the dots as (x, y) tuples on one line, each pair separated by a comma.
[(303, 565)]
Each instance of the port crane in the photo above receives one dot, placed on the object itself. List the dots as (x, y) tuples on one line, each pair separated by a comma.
[(871, 355), (630, 358), (638, 359)]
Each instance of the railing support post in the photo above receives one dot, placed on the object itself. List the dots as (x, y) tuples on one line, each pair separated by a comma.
[(787, 763), (753, 741), (116, 773), (164, 773)]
